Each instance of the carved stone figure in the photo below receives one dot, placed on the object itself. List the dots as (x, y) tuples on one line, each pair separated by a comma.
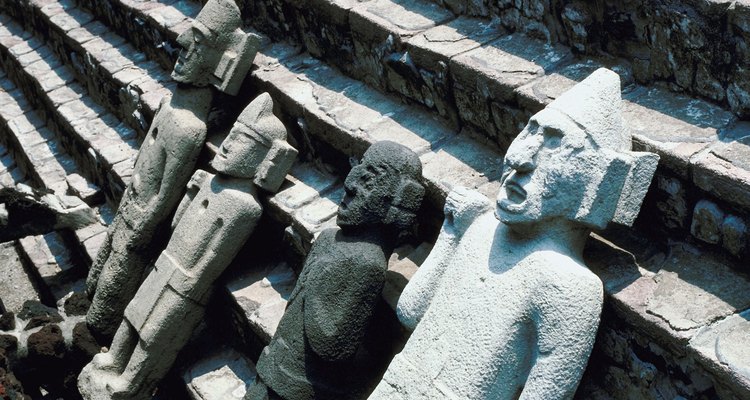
[(216, 53), (312, 355), (212, 222), (504, 306)]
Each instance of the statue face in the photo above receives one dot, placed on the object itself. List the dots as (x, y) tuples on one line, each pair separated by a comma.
[(369, 192), (199, 55), (240, 153), (541, 178)]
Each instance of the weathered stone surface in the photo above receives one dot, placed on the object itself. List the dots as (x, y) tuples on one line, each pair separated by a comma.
[(735, 234), (314, 351), (42, 320), (723, 171), (223, 375), (213, 221), (8, 321), (723, 346), (379, 28), (461, 161), (544, 205), (690, 294), (707, 221), (17, 286), (493, 71), (33, 308), (672, 205), (262, 295), (402, 265), (76, 304), (674, 126)]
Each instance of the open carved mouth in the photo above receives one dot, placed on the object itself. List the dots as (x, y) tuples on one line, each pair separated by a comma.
[(515, 192)]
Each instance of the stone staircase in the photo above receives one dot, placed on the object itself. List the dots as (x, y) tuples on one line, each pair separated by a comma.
[(456, 85)]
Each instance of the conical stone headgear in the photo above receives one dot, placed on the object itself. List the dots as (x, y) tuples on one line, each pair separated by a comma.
[(595, 104), (220, 16), (259, 117)]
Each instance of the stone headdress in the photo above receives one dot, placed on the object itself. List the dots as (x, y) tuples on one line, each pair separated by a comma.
[(268, 130), (619, 179), (222, 17)]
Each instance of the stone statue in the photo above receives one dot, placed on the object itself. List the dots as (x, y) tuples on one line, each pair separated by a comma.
[(212, 222), (216, 53), (504, 306), (312, 354)]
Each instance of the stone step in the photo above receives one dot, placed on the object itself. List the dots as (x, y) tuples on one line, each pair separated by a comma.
[(39, 152), (103, 147), (474, 74), (469, 71), (315, 110), (17, 286), (54, 263), (117, 76), (10, 174), (671, 44)]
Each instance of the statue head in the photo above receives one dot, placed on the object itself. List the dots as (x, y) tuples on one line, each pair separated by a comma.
[(383, 189), (256, 147), (215, 50), (573, 161)]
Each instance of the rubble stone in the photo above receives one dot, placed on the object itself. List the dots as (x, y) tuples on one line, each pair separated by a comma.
[(707, 221)]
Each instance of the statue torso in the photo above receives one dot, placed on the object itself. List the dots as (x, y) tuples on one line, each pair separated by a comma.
[(476, 339)]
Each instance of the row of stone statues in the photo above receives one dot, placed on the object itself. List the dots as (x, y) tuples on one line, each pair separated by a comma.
[(503, 307)]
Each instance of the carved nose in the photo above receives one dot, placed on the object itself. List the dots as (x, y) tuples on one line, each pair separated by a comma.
[(521, 155), (184, 39)]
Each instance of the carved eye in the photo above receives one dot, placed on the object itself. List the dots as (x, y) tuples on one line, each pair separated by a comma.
[(197, 36), (552, 137)]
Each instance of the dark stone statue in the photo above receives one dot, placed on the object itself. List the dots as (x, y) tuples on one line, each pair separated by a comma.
[(313, 354)]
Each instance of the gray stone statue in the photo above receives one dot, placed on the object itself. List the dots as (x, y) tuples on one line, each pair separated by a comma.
[(212, 222), (504, 306), (312, 355), (216, 53)]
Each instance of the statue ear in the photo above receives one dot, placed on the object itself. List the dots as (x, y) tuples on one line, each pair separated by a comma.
[(406, 202), (236, 62), (272, 171)]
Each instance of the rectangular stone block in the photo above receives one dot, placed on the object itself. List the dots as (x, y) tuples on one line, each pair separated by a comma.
[(380, 28), (674, 126), (421, 74), (261, 295), (723, 171), (494, 71)]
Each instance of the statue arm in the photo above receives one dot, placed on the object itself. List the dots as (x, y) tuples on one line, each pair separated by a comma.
[(566, 319), (338, 308), (462, 207), (193, 186)]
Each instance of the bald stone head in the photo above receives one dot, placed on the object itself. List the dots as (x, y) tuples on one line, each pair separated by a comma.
[(383, 189)]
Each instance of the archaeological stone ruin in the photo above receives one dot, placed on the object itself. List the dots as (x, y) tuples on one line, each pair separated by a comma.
[(374, 199)]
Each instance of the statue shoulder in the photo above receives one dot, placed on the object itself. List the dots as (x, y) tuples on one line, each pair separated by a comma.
[(567, 276)]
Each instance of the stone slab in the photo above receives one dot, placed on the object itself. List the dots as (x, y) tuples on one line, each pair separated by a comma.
[(495, 70), (223, 375), (674, 126), (401, 18), (723, 170), (461, 161), (305, 184), (54, 263), (724, 346), (262, 295), (445, 41), (17, 286)]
